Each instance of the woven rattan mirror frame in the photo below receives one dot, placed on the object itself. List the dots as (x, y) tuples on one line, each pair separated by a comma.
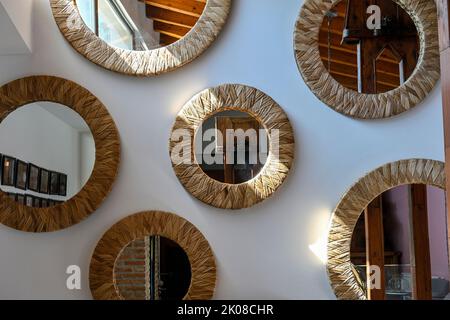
[(140, 63), (262, 108), (107, 144), (137, 226), (353, 203), (360, 105)]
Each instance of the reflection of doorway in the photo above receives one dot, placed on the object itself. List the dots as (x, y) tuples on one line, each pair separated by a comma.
[(170, 270), (239, 147), (403, 232), (234, 170)]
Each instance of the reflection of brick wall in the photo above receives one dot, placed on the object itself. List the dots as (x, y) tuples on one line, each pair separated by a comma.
[(131, 272)]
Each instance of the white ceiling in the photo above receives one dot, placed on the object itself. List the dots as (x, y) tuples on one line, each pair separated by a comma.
[(66, 115)]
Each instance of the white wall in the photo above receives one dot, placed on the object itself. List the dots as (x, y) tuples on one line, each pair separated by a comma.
[(262, 252), (34, 135), (16, 26)]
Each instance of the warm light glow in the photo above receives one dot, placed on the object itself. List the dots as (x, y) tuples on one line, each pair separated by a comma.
[(319, 247)]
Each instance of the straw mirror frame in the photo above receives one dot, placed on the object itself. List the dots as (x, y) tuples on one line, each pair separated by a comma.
[(140, 63), (269, 114), (151, 223), (356, 199), (360, 105), (107, 144)]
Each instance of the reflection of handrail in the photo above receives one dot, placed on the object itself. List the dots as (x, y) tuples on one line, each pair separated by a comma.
[(118, 6)]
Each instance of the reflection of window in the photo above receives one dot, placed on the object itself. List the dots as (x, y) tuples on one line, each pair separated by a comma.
[(112, 28), (105, 18)]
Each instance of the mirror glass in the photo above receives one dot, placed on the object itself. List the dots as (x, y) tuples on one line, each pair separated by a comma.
[(407, 223), (369, 46), (140, 25), (231, 146), (152, 268), (47, 154)]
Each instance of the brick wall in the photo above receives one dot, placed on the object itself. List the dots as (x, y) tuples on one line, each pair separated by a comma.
[(131, 271)]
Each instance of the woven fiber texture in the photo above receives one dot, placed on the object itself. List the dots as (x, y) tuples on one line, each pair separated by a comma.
[(351, 206), (107, 143), (360, 105), (137, 226), (268, 113), (140, 63)]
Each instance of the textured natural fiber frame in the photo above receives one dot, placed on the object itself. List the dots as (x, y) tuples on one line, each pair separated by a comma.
[(360, 105), (107, 144), (141, 63), (262, 108), (355, 200), (153, 223)]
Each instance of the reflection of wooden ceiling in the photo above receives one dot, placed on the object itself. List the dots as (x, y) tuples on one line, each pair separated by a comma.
[(344, 62), (173, 18)]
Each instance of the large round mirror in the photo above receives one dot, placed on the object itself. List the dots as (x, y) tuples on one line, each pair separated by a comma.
[(47, 154), (399, 245), (231, 146), (140, 25), (152, 268), (369, 47)]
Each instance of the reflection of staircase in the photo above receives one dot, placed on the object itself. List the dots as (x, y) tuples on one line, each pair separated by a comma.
[(173, 18)]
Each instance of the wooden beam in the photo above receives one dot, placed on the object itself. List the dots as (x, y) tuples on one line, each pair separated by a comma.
[(420, 255), (170, 30), (189, 7), (165, 39), (444, 43), (171, 17), (375, 246)]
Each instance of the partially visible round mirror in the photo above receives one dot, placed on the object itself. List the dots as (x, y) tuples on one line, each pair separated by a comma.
[(367, 47), (399, 245), (152, 268), (140, 25), (47, 154), (231, 146)]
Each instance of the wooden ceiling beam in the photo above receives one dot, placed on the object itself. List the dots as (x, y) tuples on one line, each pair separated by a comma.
[(170, 30), (188, 7), (170, 17)]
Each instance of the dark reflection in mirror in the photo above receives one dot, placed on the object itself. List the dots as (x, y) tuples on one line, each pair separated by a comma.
[(399, 245), (140, 25), (369, 46), (231, 147), (47, 154), (152, 268)]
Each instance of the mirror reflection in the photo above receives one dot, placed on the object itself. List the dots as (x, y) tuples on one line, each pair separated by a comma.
[(399, 245), (152, 268), (231, 147), (140, 25), (369, 46), (47, 154)]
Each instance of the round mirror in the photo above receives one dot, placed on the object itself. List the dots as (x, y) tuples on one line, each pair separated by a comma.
[(407, 224), (369, 48), (231, 146), (47, 154), (140, 25), (152, 268)]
